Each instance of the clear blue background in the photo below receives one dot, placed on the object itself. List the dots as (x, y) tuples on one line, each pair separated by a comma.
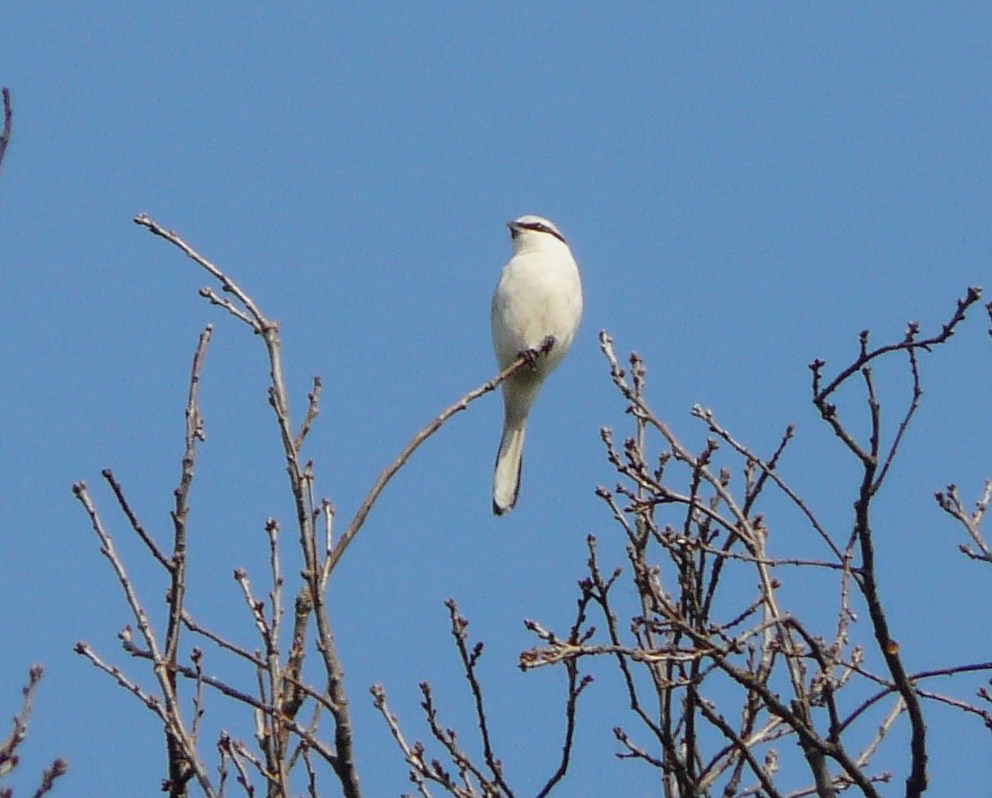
[(746, 186)]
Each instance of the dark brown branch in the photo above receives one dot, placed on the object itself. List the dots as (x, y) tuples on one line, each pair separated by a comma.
[(890, 688), (741, 747), (577, 635), (911, 341), (875, 466), (459, 625), (8, 122), (914, 405), (916, 781), (136, 525)]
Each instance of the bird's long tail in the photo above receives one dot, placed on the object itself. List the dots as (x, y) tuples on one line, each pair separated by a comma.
[(506, 481)]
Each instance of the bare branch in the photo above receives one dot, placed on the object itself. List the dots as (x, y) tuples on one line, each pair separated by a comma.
[(950, 502), (136, 525), (9, 757), (414, 755), (8, 122), (356, 524), (81, 492), (911, 341), (180, 513), (313, 409), (257, 320), (459, 626)]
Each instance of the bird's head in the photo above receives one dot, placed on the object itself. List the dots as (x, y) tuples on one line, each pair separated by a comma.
[(534, 232)]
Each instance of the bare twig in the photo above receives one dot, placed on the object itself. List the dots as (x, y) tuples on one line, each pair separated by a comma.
[(229, 286), (313, 409), (950, 502), (180, 512), (8, 122), (9, 756), (459, 627), (413, 754), (108, 550), (911, 341), (136, 525), (49, 775), (148, 699), (466, 767), (576, 685), (233, 751), (768, 471)]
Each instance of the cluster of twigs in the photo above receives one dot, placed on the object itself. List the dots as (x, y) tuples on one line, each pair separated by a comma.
[(718, 678), (10, 748), (951, 503), (474, 780), (287, 706)]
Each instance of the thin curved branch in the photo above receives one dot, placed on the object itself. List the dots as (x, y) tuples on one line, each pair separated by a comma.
[(390, 471)]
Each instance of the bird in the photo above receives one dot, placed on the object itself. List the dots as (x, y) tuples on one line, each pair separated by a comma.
[(536, 311)]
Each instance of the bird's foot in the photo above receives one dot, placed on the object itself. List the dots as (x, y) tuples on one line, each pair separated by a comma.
[(531, 355)]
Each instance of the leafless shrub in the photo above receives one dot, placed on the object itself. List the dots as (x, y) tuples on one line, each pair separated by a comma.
[(287, 706), (718, 678)]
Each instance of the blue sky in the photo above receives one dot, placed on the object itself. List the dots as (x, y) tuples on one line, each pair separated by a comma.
[(746, 186)]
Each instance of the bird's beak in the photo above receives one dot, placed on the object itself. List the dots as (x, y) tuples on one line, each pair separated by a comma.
[(514, 229)]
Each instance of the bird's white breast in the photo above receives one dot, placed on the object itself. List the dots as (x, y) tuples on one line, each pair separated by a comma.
[(539, 294)]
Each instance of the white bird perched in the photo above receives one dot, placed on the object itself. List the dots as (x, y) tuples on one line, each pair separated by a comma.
[(538, 303)]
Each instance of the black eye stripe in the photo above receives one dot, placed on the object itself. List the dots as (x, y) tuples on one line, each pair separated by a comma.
[(543, 228)]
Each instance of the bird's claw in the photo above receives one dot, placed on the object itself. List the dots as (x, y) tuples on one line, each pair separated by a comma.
[(533, 353)]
